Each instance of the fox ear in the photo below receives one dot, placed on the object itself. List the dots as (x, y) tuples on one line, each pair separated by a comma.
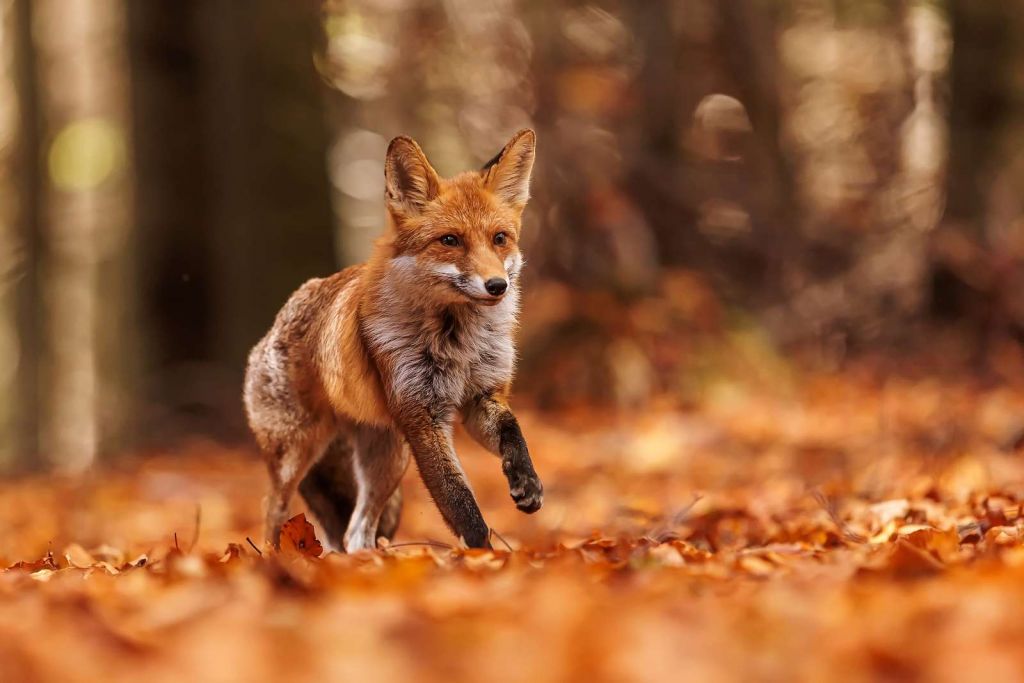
[(508, 174), (411, 182)]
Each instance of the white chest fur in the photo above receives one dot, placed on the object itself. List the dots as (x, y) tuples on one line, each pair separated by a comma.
[(443, 357)]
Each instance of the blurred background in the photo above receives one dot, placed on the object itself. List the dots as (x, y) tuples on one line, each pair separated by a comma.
[(727, 191)]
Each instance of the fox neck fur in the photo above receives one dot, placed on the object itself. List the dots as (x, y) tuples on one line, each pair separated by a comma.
[(425, 352), (438, 355)]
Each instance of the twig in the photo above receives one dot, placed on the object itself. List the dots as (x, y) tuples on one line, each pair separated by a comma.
[(258, 551), (830, 508), (195, 536), (432, 544), (176, 542), (663, 532), (681, 516), (494, 532)]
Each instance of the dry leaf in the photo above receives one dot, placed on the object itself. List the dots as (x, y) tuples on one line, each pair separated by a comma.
[(589, 591), (78, 557), (299, 536)]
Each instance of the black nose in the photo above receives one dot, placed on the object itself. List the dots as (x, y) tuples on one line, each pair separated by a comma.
[(495, 286)]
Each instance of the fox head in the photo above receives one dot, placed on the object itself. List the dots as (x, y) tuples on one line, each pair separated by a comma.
[(457, 239)]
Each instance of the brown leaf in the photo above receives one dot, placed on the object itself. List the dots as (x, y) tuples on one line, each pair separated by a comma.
[(78, 557), (942, 545), (908, 561), (36, 565), (298, 536), (1002, 535), (756, 565), (232, 552)]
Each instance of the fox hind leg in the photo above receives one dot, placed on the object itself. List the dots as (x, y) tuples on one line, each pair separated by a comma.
[(379, 463), (286, 472), (390, 517), (329, 490), (277, 510)]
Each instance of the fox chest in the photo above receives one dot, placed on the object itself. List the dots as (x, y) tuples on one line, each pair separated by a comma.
[(447, 363)]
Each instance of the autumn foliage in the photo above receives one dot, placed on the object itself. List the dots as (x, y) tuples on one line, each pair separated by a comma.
[(845, 528)]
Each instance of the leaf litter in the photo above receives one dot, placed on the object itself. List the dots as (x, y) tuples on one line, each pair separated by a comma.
[(785, 543)]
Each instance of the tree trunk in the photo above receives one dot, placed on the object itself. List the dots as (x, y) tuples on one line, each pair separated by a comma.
[(19, 191), (87, 317), (234, 207), (980, 77)]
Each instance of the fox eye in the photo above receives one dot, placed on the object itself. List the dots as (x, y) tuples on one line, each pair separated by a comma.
[(500, 239), (450, 241)]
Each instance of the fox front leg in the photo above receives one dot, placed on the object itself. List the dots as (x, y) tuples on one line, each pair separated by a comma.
[(490, 421), (430, 441)]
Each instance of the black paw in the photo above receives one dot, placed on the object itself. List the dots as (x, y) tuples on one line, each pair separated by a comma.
[(526, 489), (478, 536)]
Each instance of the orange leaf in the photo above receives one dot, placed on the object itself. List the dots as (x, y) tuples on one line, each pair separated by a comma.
[(298, 536), (78, 557), (46, 563)]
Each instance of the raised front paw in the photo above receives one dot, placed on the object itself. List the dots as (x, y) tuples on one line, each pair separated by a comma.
[(526, 489)]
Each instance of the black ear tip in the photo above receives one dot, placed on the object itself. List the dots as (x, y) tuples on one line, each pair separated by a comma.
[(529, 133)]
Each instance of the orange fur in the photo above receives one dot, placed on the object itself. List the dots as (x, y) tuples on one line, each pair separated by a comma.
[(397, 347)]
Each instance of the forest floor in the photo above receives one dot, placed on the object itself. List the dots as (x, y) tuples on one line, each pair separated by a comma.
[(847, 529)]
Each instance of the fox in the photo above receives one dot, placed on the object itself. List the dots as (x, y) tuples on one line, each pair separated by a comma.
[(373, 364)]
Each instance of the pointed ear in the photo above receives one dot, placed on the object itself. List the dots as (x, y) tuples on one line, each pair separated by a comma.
[(508, 174), (410, 181)]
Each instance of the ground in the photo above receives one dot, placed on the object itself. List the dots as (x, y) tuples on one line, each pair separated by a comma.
[(848, 527)]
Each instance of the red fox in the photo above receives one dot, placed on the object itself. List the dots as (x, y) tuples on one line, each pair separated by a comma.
[(391, 351)]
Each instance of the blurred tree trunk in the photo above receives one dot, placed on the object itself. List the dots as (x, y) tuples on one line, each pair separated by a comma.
[(978, 264), (747, 45), (660, 168), (66, 224), (234, 206), (981, 77), (87, 316), (694, 53), (19, 182), (266, 136), (175, 260)]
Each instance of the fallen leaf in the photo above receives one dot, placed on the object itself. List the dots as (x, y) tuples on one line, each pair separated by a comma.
[(78, 557), (299, 536)]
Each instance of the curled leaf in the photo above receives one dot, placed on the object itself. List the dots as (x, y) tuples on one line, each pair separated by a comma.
[(298, 536)]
